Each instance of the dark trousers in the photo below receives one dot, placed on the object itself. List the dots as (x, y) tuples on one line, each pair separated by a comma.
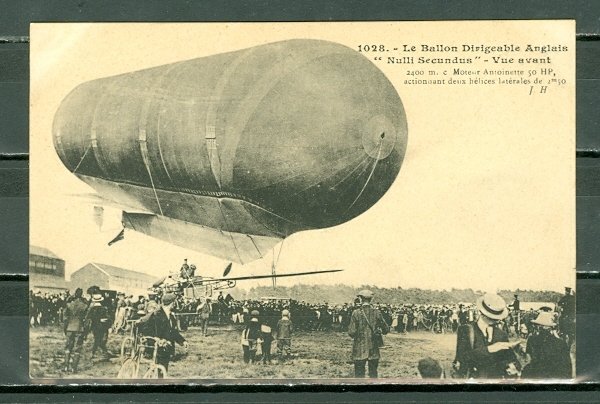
[(163, 359), (100, 339), (359, 368), (266, 349), (74, 341), (204, 325), (249, 351)]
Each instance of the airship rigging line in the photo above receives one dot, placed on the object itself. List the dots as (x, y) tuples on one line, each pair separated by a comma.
[(211, 115), (368, 178), (94, 127), (366, 159), (230, 235), (83, 157), (160, 152), (155, 87), (281, 234), (296, 175), (321, 180), (275, 262), (144, 152), (214, 160), (255, 246), (356, 177)]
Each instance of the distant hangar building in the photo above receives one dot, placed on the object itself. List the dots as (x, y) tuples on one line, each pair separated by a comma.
[(46, 271), (112, 278)]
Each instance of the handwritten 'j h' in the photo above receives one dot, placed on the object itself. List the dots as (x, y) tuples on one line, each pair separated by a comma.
[(543, 89)]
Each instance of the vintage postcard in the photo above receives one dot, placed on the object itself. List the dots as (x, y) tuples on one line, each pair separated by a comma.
[(389, 202)]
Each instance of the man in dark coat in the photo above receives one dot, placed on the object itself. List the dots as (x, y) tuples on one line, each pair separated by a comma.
[(162, 324), (550, 356), (98, 322), (566, 306), (74, 328), (364, 323), (482, 348)]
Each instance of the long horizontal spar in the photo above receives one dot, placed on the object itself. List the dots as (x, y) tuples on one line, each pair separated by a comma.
[(240, 278)]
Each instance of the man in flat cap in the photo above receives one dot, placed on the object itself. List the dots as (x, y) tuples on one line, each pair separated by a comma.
[(366, 327), (162, 324), (482, 347)]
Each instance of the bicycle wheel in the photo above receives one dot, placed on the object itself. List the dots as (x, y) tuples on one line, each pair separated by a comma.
[(127, 348), (156, 372), (128, 370)]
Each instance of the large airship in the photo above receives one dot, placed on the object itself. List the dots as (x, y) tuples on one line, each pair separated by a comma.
[(229, 154)]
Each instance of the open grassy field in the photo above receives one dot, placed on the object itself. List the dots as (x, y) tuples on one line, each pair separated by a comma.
[(317, 355)]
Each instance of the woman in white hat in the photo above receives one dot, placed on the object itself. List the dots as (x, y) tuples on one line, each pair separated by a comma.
[(550, 358)]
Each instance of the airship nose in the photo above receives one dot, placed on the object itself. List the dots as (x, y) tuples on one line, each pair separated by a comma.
[(379, 137)]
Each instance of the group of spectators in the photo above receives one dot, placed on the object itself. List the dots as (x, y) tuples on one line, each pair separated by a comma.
[(82, 316), (104, 312), (46, 308), (402, 318), (484, 349)]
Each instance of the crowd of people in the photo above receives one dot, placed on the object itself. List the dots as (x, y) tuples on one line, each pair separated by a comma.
[(46, 308), (483, 328), (483, 348), (404, 318)]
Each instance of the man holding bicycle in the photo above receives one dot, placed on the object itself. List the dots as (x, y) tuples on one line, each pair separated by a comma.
[(162, 325)]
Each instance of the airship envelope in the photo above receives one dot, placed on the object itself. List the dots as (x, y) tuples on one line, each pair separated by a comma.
[(231, 153)]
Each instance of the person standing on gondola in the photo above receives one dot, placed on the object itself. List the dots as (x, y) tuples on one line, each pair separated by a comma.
[(184, 270)]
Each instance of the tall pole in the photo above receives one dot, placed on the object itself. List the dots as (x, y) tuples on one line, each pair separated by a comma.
[(273, 279)]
